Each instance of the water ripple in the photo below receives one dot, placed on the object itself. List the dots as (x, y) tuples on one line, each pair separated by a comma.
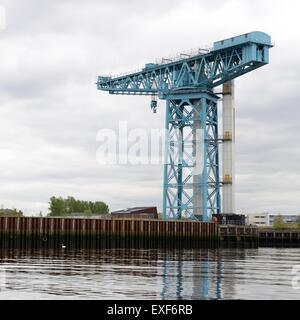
[(264, 273)]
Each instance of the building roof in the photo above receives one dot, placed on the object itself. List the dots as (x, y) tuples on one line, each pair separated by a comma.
[(134, 210)]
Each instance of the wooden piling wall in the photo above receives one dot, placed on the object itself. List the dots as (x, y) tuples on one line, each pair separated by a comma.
[(238, 234), (287, 236), (92, 232)]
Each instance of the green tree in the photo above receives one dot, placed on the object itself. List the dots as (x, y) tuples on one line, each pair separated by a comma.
[(99, 208), (65, 207), (298, 222), (279, 223), (57, 207), (88, 212), (10, 213)]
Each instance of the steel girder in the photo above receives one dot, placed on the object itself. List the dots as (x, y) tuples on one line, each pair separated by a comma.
[(191, 174), (206, 70)]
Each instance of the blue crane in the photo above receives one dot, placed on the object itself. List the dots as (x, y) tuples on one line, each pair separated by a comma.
[(192, 183)]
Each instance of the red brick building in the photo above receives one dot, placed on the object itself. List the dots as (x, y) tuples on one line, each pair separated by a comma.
[(136, 213)]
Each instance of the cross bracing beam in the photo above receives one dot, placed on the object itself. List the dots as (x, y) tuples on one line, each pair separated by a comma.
[(191, 184)]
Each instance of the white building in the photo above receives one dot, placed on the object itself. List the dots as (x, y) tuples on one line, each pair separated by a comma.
[(258, 219), (266, 219)]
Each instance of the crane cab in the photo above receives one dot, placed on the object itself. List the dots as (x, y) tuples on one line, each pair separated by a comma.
[(257, 49)]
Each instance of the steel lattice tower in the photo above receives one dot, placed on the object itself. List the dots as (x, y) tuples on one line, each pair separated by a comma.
[(190, 186)]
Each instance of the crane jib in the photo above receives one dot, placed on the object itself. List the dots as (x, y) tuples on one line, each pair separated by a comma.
[(227, 60)]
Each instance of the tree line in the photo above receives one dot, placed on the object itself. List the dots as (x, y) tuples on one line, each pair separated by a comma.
[(279, 224), (10, 213), (59, 206)]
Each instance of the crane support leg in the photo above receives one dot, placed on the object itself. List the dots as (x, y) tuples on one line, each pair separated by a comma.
[(191, 171)]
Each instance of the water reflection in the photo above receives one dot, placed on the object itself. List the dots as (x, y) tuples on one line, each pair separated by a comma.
[(205, 275), (219, 293), (148, 273)]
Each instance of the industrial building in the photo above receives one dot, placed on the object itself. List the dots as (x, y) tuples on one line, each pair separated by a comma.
[(136, 213), (260, 219), (230, 219), (266, 219)]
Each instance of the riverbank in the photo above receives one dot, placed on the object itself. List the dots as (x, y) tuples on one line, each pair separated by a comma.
[(50, 232)]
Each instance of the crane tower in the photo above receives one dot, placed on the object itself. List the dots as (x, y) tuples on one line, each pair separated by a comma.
[(192, 179)]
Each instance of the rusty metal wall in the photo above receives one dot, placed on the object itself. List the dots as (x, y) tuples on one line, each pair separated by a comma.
[(11, 227)]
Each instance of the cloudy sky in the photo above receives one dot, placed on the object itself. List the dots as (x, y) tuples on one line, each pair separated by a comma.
[(51, 52)]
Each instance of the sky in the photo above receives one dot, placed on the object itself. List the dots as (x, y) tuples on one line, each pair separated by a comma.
[(51, 53)]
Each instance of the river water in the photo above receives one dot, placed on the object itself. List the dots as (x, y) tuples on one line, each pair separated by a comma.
[(228, 273)]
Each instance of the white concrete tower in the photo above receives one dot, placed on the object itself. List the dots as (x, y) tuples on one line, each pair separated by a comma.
[(228, 148)]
